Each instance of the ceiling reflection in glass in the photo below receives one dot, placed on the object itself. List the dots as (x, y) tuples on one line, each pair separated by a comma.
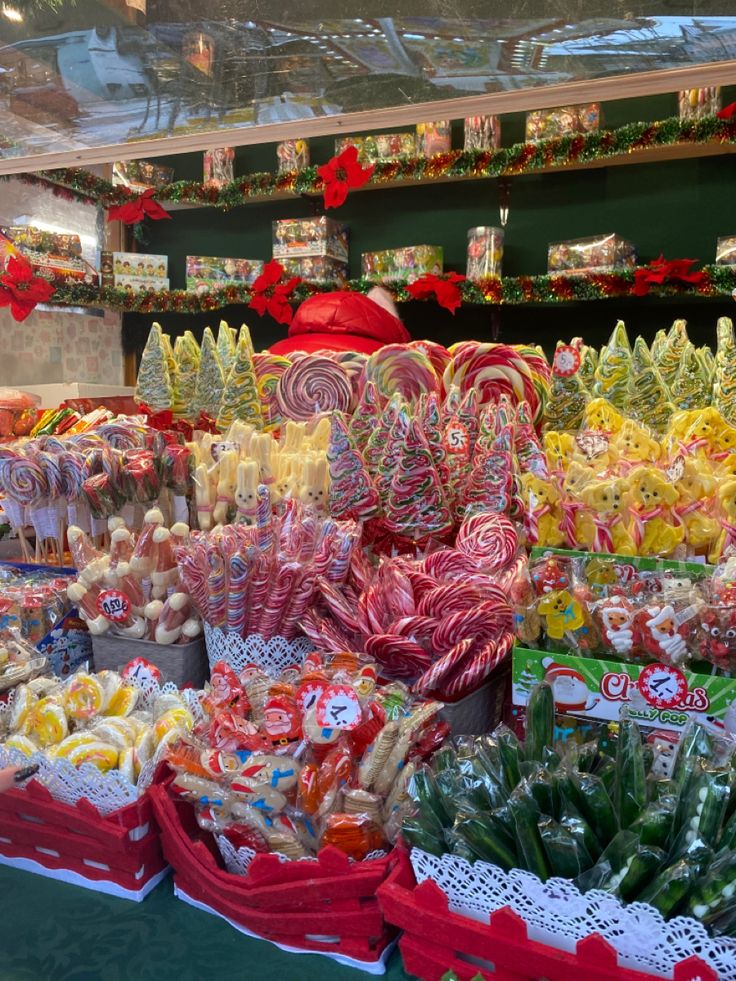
[(82, 75)]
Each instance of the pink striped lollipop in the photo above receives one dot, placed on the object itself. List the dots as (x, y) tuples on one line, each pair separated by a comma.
[(278, 599), (23, 479), (217, 591), (494, 370), (260, 585), (441, 670), (313, 385), (403, 369), (236, 595), (301, 597), (479, 667)]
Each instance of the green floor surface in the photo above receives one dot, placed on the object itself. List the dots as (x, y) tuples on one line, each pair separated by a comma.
[(51, 931)]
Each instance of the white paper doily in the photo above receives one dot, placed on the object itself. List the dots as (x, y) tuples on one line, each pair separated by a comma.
[(558, 914), (107, 791), (237, 860), (272, 655)]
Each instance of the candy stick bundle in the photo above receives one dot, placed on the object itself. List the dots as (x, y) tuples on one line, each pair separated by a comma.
[(261, 578)]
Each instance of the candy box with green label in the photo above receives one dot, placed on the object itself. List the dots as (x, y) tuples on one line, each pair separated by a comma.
[(658, 695)]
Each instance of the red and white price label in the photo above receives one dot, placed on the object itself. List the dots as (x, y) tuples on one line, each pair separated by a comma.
[(338, 707), (114, 605), (663, 686), (456, 438), (566, 360)]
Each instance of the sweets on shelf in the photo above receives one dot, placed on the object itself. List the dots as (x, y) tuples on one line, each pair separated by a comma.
[(541, 124), (594, 254), (407, 263)]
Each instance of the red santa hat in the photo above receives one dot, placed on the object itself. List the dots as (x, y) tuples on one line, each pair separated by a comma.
[(344, 322)]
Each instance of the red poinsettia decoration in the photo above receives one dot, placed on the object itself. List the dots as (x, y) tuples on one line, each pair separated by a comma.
[(728, 111), (445, 289), (663, 270), (137, 209), (341, 174), (21, 290), (271, 294)]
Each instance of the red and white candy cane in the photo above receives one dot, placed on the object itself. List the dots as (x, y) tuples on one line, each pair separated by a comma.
[(488, 539), (448, 598), (448, 563), (445, 667), (400, 656), (485, 621), (479, 667)]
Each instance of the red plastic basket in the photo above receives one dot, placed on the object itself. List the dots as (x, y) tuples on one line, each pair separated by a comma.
[(436, 940), (120, 854), (327, 906)]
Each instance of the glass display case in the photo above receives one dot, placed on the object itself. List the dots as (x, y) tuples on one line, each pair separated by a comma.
[(77, 79)]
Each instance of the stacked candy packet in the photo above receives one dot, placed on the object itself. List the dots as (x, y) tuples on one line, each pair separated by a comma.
[(133, 589), (319, 756), (261, 578), (442, 622)]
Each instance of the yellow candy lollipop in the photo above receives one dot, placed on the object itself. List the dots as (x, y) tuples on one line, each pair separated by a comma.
[(143, 750), (126, 765), (23, 702), (122, 702), (71, 743), (22, 743), (84, 697), (174, 718), (47, 723), (101, 755)]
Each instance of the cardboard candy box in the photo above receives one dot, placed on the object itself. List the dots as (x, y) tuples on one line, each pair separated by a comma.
[(542, 124), (408, 263), (57, 257), (205, 273), (381, 146), (321, 236), (317, 269), (139, 175), (597, 253)]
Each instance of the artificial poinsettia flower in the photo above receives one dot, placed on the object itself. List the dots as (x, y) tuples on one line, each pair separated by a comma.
[(663, 270), (21, 290), (445, 289), (270, 295), (137, 209), (341, 174), (728, 111)]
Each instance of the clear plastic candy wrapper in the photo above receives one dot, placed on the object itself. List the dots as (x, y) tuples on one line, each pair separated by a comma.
[(482, 132), (597, 253), (542, 124), (485, 252), (696, 103)]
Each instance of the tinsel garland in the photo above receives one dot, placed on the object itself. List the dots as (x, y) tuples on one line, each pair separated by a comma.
[(523, 158), (511, 290)]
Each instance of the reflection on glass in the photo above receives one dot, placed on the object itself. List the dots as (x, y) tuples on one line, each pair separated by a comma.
[(75, 75)]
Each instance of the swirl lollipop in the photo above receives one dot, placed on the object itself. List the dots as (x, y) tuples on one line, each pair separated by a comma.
[(313, 385), (269, 368), (403, 369)]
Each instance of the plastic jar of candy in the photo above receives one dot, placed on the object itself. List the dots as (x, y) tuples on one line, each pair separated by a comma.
[(485, 252)]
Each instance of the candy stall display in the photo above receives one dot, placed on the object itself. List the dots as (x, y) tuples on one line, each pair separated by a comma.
[(56, 256), (218, 166), (434, 137), (542, 124), (139, 175), (295, 238), (597, 253), (408, 263), (134, 270)]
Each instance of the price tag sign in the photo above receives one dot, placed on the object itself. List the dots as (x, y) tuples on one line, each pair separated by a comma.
[(114, 605), (663, 686), (592, 443), (338, 707), (456, 438), (217, 449), (308, 694), (141, 670), (566, 361)]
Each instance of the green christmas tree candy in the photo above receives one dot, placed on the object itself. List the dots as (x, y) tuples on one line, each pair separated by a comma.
[(240, 395), (649, 399), (658, 345), (210, 379), (689, 389), (670, 356), (153, 387), (612, 372), (588, 364), (568, 397), (352, 493), (391, 449), (187, 355), (725, 342), (724, 380), (227, 339), (376, 445)]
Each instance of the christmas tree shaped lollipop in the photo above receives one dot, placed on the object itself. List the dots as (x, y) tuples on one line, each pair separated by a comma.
[(154, 387), (612, 373), (376, 445), (245, 332), (670, 355), (386, 467), (567, 394), (658, 345), (468, 414), (227, 338), (352, 493), (724, 382), (240, 395), (588, 364), (431, 423), (187, 355), (366, 415), (210, 379), (490, 485), (416, 506), (528, 449), (649, 401), (689, 389)]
